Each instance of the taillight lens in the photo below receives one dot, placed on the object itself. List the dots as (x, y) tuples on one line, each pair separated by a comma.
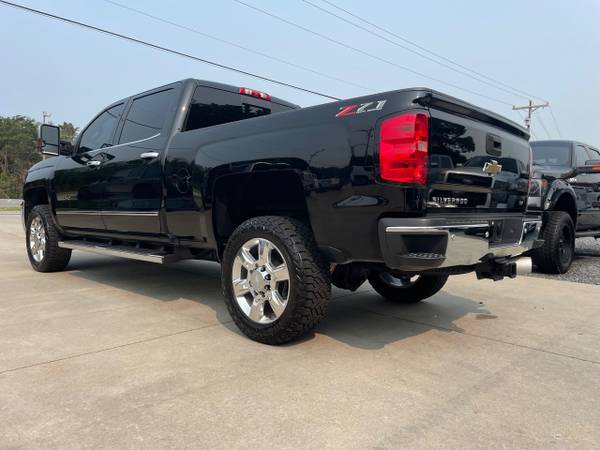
[(403, 148)]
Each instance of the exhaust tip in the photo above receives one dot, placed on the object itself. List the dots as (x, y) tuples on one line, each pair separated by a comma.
[(524, 266)]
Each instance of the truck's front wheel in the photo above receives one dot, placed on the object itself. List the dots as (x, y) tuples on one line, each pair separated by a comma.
[(275, 282), (406, 289), (558, 251), (42, 239)]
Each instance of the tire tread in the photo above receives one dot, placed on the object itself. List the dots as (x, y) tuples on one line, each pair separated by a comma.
[(546, 257), (55, 258), (309, 270)]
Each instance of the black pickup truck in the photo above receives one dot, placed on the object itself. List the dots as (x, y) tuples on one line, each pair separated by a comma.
[(567, 183), (402, 188)]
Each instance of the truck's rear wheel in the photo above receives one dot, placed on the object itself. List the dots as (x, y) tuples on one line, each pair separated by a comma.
[(406, 289), (275, 282), (42, 239), (558, 251)]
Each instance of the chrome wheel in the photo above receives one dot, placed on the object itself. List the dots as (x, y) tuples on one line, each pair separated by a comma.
[(261, 281), (398, 282), (37, 239)]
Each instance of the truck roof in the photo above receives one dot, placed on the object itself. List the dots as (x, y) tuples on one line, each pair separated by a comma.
[(423, 91), (561, 141), (211, 84)]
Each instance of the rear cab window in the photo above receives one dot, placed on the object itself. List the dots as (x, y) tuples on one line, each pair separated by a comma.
[(212, 106), (147, 116)]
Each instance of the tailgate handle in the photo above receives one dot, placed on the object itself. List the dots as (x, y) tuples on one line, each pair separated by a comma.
[(493, 145)]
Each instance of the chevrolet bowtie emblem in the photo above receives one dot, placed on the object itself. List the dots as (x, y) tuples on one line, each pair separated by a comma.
[(492, 167)]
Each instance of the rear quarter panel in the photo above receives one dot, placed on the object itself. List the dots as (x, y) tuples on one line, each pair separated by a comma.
[(332, 156)]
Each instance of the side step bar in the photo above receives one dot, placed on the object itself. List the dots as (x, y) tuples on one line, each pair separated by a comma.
[(122, 251), (594, 234)]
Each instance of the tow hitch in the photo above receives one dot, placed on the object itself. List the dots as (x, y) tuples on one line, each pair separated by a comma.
[(497, 269)]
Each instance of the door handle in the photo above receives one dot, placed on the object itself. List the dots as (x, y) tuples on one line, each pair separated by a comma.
[(93, 163), (149, 155), (493, 145)]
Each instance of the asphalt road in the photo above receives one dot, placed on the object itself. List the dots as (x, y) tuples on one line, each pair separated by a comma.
[(120, 354)]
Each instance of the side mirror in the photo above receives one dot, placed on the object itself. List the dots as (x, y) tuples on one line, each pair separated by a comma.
[(50, 139), (591, 166)]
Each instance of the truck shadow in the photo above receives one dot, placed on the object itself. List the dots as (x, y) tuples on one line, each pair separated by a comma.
[(366, 320), (362, 319)]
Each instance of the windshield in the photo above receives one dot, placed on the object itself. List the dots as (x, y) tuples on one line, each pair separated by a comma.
[(551, 153)]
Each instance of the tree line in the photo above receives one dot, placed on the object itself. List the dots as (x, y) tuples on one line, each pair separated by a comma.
[(18, 151)]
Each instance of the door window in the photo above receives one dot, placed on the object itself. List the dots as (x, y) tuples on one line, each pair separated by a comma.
[(581, 156), (594, 154), (147, 116), (99, 133)]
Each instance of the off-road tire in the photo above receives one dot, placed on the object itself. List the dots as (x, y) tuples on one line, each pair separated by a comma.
[(310, 285), (55, 258), (424, 287), (558, 251)]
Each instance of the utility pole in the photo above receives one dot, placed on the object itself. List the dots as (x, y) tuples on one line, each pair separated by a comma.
[(531, 108)]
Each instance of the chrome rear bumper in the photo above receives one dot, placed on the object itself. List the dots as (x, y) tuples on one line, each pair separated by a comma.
[(421, 244)]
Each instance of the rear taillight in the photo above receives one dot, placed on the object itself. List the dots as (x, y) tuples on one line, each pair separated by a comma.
[(403, 148), (255, 93)]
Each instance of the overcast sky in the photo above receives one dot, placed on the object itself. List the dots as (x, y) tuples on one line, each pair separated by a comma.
[(547, 48)]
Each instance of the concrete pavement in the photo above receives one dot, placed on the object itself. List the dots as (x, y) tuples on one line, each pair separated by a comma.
[(121, 354)]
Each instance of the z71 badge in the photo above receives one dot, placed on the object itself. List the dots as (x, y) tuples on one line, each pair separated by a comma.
[(351, 110)]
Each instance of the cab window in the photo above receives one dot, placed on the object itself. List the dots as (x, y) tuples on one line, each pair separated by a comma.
[(99, 133), (594, 155), (581, 156), (211, 106), (147, 116)]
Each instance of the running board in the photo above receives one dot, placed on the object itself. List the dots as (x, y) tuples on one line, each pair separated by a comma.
[(594, 234), (122, 251)]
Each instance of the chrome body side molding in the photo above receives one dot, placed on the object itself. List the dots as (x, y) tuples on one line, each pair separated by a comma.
[(107, 213)]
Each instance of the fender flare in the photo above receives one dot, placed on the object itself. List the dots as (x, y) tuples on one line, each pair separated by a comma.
[(555, 192)]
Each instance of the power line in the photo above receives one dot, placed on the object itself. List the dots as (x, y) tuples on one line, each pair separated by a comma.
[(555, 123), (539, 117), (447, 66), (518, 112), (437, 55), (161, 48), (363, 52), (233, 44)]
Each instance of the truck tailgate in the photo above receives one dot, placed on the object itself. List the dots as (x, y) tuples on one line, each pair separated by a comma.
[(477, 160)]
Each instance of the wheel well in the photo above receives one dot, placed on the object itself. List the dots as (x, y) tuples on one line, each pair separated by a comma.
[(242, 196), (33, 197), (566, 203)]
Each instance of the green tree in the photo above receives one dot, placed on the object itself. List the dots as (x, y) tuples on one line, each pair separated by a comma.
[(17, 153), (68, 131)]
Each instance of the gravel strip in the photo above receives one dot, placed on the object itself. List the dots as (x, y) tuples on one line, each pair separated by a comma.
[(586, 266)]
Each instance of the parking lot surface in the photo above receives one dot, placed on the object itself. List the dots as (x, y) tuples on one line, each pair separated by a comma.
[(121, 354)]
